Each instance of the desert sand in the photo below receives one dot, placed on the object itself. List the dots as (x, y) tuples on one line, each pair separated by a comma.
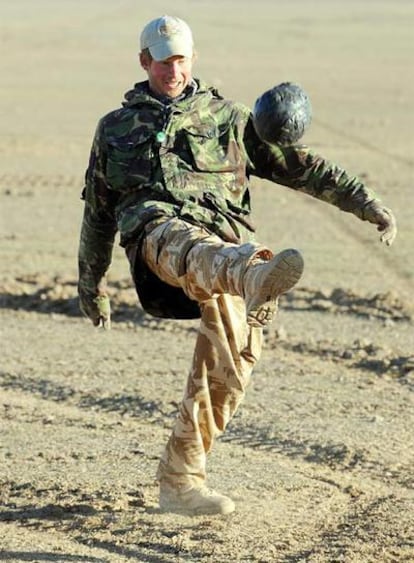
[(319, 458)]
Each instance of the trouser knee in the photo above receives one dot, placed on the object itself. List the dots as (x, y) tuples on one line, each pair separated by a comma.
[(188, 256)]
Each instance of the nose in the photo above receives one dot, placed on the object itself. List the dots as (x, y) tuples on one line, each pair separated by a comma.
[(174, 69)]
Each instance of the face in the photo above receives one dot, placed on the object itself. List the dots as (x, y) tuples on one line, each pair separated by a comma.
[(169, 77)]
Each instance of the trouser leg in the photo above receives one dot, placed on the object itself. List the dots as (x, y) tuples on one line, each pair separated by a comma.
[(211, 272), (225, 353), (203, 265)]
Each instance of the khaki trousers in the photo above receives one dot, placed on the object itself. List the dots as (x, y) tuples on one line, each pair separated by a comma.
[(211, 272)]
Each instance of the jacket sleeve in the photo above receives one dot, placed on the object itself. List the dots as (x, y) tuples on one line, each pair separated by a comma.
[(98, 229), (297, 167)]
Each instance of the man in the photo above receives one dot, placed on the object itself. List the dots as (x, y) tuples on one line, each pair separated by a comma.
[(169, 170)]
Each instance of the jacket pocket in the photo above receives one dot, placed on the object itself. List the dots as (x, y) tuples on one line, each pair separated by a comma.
[(213, 147), (130, 160)]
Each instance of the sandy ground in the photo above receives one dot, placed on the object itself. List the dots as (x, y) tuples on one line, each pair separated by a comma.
[(319, 458)]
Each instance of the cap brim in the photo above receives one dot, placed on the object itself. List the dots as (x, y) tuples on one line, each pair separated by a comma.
[(166, 49)]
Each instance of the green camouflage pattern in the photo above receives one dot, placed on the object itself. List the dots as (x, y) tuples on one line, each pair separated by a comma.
[(190, 159)]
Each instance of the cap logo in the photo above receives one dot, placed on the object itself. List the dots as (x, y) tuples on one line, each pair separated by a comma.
[(169, 28)]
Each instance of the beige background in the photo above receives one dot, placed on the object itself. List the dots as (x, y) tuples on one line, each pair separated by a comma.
[(319, 459)]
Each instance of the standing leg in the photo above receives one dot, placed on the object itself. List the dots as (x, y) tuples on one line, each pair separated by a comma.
[(225, 354)]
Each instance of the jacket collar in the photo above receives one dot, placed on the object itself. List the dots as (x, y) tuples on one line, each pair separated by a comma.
[(195, 92)]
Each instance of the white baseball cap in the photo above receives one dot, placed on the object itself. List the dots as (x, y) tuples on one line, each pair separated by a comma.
[(167, 36)]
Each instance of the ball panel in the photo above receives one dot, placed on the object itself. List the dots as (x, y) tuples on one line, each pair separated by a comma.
[(282, 114)]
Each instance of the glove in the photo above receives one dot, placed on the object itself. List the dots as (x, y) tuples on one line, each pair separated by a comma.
[(97, 309), (375, 213), (103, 306)]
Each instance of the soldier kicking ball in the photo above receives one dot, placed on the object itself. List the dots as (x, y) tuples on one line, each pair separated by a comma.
[(169, 170)]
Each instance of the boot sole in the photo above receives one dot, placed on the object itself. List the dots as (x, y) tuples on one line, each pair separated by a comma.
[(283, 275)]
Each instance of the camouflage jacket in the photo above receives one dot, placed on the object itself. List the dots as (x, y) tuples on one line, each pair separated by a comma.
[(191, 158)]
